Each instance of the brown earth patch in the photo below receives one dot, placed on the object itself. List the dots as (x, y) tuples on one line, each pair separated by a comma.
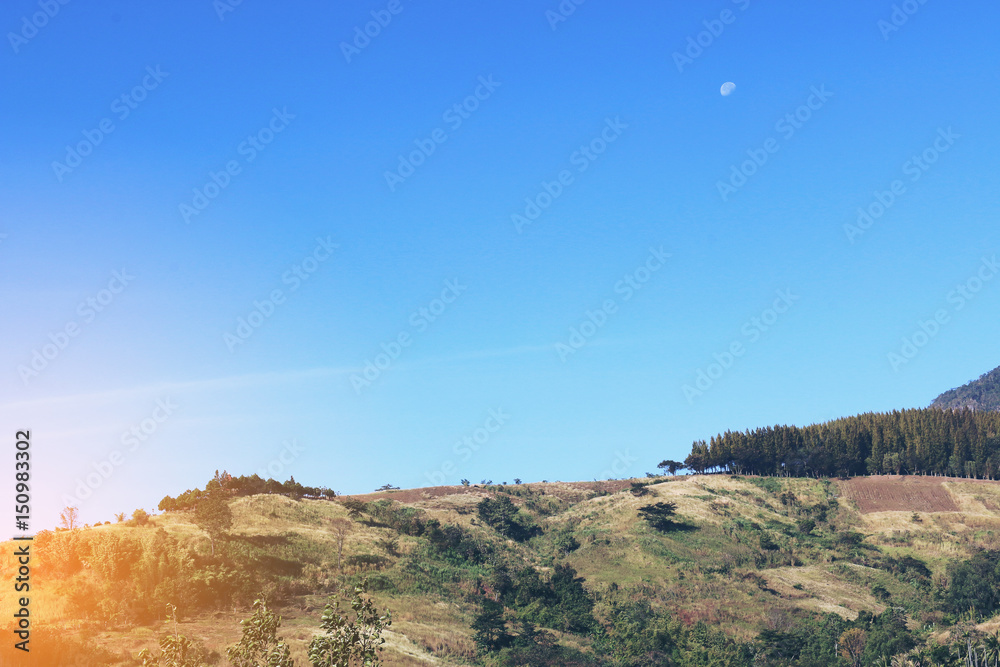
[(416, 495), (566, 490), (898, 493)]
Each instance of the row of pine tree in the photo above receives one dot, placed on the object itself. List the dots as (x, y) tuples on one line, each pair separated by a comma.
[(929, 441)]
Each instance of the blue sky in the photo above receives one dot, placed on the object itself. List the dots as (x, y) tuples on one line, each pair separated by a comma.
[(308, 134)]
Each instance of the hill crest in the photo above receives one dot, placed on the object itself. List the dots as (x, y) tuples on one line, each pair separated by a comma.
[(982, 393)]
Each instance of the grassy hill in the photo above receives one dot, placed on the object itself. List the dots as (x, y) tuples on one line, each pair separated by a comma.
[(744, 556)]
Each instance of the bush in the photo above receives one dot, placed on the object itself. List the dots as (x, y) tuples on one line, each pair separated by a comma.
[(351, 638), (502, 515), (565, 543), (638, 489), (974, 584), (455, 544), (887, 636), (354, 507), (366, 560), (850, 539), (769, 484), (659, 515)]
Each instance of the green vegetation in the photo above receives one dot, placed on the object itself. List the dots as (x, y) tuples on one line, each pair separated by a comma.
[(243, 486), (974, 585), (686, 571), (689, 571), (502, 515), (659, 515), (213, 516), (350, 641), (260, 645), (980, 394), (346, 642), (176, 650), (930, 441)]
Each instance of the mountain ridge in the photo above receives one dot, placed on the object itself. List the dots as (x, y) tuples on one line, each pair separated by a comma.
[(982, 393)]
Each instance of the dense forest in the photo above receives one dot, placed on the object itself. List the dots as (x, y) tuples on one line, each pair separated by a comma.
[(929, 441), (238, 487)]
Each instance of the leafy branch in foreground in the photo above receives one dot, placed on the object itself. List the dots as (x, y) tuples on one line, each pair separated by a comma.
[(348, 642), (260, 645), (176, 650)]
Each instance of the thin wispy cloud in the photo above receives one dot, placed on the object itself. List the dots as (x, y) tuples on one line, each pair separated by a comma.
[(229, 383)]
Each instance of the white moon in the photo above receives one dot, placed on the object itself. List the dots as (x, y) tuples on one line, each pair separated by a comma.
[(727, 88)]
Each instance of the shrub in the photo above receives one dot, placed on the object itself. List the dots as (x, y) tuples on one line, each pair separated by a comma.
[(502, 515), (659, 515), (348, 640), (638, 489), (974, 584), (260, 644)]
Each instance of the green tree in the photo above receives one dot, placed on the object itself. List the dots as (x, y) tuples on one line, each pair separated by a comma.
[(351, 642), (260, 645), (921, 441), (354, 507), (502, 515), (659, 515), (176, 650), (852, 645), (671, 466), (638, 489), (887, 636), (490, 628), (974, 584), (212, 514), (574, 605), (498, 513), (565, 543)]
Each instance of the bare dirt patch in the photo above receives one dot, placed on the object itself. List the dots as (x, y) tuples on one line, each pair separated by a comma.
[(415, 495), (898, 493), (572, 491)]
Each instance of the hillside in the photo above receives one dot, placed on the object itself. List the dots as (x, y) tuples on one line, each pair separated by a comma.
[(980, 394), (779, 567)]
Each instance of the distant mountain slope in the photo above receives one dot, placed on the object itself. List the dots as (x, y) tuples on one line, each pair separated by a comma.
[(981, 394)]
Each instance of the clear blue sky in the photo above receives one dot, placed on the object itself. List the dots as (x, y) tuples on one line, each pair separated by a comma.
[(659, 138)]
